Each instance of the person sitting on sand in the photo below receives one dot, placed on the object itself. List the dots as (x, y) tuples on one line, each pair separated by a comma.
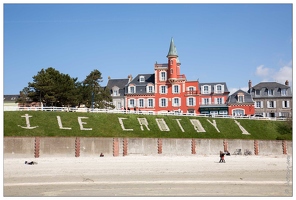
[(30, 163), (101, 155), (222, 157)]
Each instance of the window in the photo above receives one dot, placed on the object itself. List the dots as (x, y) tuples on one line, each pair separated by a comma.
[(190, 101), (142, 79), (271, 104), (223, 112), (257, 92), (284, 92), (150, 89), (176, 89), (285, 104), (240, 99), (163, 102), (206, 101), (162, 76), (131, 89), (219, 89), (141, 103), (206, 89), (176, 102), (219, 100), (258, 104), (150, 103), (270, 92), (132, 103), (115, 92), (163, 89), (172, 71)]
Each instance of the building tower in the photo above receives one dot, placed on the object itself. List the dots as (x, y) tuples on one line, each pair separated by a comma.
[(173, 67)]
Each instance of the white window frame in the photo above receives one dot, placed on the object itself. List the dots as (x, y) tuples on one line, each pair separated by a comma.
[(258, 104), (270, 92), (206, 101), (149, 102), (165, 87), (163, 102), (142, 79), (285, 104), (219, 100), (271, 104), (176, 89), (141, 103), (162, 76), (130, 104), (284, 92), (130, 88), (150, 87), (221, 90), (208, 89), (176, 102), (189, 103)]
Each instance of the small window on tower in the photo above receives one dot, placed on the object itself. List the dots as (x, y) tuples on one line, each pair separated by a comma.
[(171, 62), (172, 71)]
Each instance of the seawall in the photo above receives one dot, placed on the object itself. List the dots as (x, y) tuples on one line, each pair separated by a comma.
[(94, 146)]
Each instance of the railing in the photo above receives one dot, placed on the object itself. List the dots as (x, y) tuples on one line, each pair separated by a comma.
[(96, 110)]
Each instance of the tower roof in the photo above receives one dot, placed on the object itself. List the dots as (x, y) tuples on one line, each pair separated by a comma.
[(173, 49)]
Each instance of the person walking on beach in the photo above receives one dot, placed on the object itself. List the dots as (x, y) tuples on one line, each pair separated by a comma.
[(222, 154)]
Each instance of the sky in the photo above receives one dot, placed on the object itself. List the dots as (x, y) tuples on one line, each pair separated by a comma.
[(231, 43)]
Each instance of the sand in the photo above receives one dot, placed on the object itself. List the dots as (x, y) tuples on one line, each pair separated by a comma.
[(149, 176)]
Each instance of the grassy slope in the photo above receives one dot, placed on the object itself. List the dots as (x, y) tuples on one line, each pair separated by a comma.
[(107, 125)]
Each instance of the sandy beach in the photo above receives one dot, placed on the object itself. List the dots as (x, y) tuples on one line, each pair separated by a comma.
[(149, 176)]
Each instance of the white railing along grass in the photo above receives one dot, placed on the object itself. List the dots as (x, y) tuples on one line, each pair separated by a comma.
[(96, 110)]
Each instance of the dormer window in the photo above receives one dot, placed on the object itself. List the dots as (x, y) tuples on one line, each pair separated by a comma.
[(206, 89), (284, 92), (142, 79), (131, 89), (240, 98), (270, 92), (219, 89), (162, 76)]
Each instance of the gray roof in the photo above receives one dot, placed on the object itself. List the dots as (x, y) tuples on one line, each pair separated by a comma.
[(173, 49), (234, 99), (149, 78), (213, 84), (265, 86), (120, 83), (141, 86), (11, 98), (270, 85)]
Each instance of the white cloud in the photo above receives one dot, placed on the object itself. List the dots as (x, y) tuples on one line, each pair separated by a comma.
[(280, 76), (262, 71)]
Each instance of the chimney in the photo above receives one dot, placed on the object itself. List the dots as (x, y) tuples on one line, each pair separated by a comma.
[(250, 84), (109, 77), (287, 82), (130, 78)]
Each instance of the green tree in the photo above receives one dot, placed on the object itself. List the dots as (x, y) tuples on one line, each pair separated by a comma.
[(53, 88), (24, 96), (92, 94)]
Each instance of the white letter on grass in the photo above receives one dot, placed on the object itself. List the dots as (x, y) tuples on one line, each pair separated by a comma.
[(197, 125), (60, 123), (27, 122), (178, 121), (81, 123), (122, 125), (214, 124), (143, 121)]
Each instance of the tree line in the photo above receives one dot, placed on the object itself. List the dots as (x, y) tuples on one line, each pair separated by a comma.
[(52, 88)]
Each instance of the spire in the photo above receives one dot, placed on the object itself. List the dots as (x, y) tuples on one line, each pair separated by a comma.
[(172, 50)]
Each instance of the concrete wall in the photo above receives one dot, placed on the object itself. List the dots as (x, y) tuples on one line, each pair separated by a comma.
[(57, 146), (209, 146), (15, 147), (270, 147), (233, 145), (176, 147), (142, 146), (96, 146)]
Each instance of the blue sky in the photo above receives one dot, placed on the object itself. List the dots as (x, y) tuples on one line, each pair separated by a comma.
[(231, 43)]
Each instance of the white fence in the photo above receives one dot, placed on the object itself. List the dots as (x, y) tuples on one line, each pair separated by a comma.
[(96, 110)]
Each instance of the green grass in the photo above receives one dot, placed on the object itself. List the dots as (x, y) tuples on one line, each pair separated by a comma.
[(107, 125)]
